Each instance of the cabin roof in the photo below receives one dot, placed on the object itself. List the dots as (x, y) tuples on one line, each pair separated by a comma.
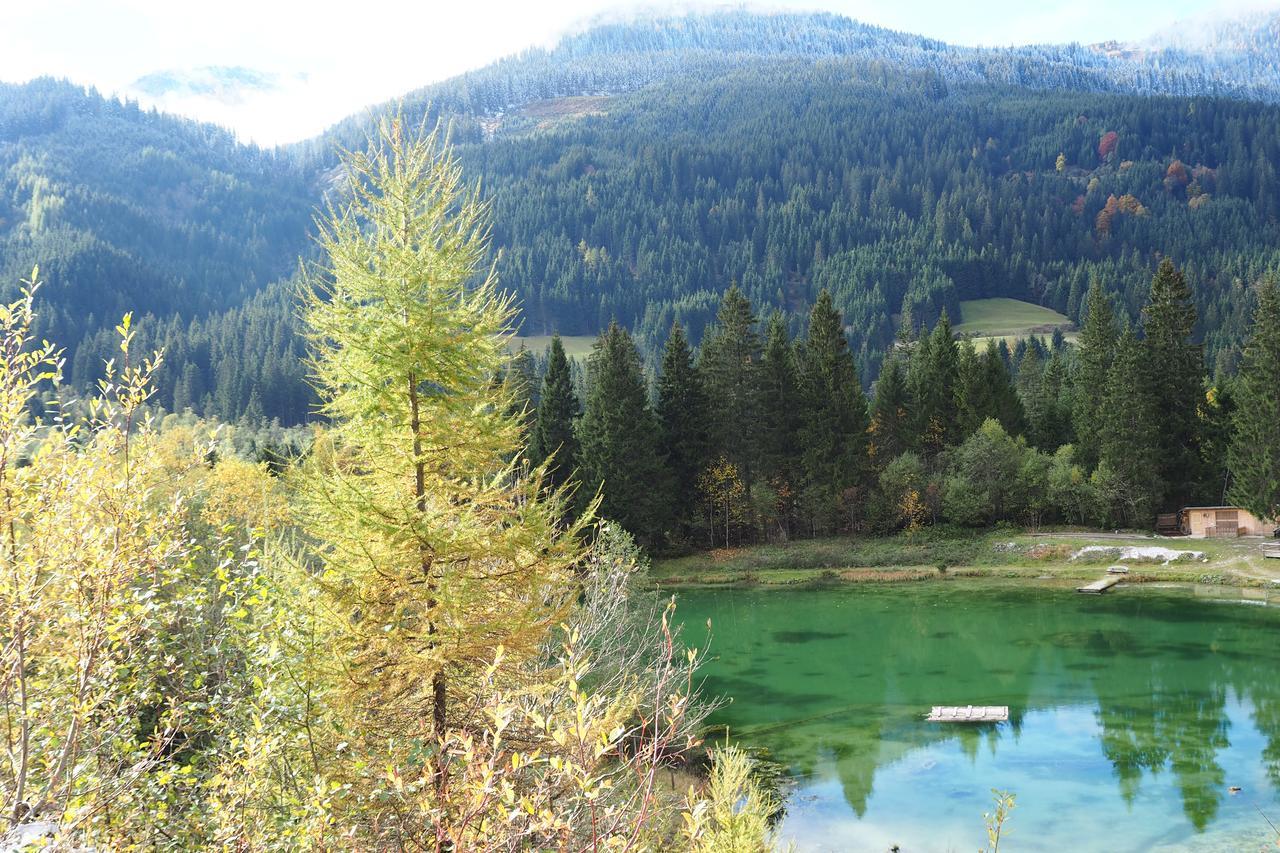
[(1240, 508)]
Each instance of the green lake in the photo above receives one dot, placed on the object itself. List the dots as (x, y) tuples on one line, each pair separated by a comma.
[(1131, 714)]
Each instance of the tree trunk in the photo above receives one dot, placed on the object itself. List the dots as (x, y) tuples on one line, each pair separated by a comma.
[(439, 686)]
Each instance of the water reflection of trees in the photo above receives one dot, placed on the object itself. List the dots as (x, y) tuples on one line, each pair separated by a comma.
[(1160, 690)]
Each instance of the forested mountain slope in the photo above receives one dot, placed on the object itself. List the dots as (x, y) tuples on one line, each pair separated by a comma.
[(1236, 57), (637, 169), (790, 177), (125, 209)]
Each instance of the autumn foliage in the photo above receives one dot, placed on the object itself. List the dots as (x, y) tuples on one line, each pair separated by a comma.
[(1108, 144)]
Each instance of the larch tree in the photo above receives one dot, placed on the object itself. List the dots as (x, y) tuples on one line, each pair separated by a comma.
[(554, 440), (434, 552), (834, 429), (1255, 450), (618, 434), (682, 414), (1175, 375), (1095, 350)]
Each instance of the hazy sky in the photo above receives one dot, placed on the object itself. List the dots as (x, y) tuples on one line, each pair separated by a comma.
[(333, 57)]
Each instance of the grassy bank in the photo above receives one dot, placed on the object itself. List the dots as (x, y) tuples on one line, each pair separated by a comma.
[(949, 553)]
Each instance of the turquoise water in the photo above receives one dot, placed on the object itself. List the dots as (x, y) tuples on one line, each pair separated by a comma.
[(1131, 714)]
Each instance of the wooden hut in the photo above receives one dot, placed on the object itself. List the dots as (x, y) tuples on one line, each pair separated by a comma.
[(1219, 521)]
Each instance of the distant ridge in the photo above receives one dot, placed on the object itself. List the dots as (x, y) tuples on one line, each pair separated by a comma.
[(1239, 59)]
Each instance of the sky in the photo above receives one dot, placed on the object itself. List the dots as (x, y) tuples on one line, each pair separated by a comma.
[(327, 59)]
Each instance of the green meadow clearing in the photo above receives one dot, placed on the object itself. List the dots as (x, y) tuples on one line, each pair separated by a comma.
[(988, 321), (575, 346)]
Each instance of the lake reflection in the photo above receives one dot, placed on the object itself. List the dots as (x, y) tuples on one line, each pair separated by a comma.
[(1130, 714)]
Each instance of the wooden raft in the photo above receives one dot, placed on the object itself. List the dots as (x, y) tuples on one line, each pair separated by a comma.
[(969, 714), (1098, 587)]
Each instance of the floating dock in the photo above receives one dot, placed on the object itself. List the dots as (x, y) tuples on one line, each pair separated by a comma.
[(1271, 551), (969, 714), (1098, 587)]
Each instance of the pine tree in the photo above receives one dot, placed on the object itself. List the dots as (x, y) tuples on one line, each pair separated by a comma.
[(618, 437), (834, 430), (891, 432), (554, 438), (682, 414), (1127, 477), (1175, 374), (730, 366), (1095, 350), (1255, 449), (434, 555), (779, 406)]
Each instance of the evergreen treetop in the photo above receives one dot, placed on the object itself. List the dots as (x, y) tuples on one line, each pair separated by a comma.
[(1255, 450)]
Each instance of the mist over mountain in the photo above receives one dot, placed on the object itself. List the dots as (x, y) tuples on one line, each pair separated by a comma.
[(637, 168), (227, 84)]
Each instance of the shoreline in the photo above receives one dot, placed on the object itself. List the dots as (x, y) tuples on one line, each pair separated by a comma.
[(1044, 557)]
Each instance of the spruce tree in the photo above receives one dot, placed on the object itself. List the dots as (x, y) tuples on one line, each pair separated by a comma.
[(682, 414), (1127, 477), (730, 366), (834, 430), (1255, 449), (1175, 375), (618, 436), (779, 406), (891, 432), (1003, 401), (522, 378), (973, 398), (1095, 351), (934, 380), (434, 554), (1030, 392), (554, 439), (1052, 427), (987, 391), (1217, 432)]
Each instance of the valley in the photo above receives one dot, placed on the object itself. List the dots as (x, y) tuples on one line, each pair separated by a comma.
[(626, 443)]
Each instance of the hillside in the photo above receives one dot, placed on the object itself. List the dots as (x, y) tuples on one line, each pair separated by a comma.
[(636, 169), (1235, 58), (891, 196), (130, 210)]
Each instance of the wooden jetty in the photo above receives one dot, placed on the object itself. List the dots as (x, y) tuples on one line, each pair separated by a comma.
[(1098, 587), (969, 714), (1271, 551)]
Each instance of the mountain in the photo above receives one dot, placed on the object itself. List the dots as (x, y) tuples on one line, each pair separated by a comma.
[(130, 210), (637, 168), (623, 56)]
